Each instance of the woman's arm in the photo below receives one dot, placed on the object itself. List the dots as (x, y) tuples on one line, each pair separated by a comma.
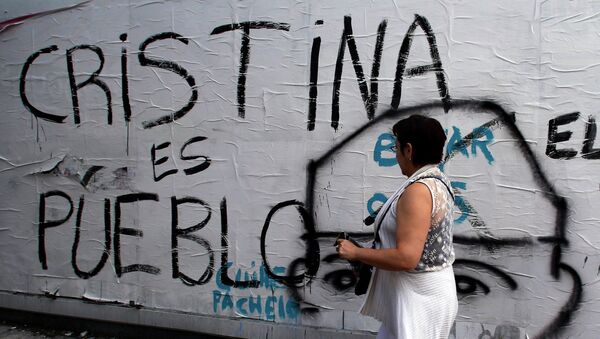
[(413, 219)]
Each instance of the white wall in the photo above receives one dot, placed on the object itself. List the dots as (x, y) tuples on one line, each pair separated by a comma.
[(90, 210)]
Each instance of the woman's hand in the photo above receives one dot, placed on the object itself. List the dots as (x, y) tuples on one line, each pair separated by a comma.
[(346, 249)]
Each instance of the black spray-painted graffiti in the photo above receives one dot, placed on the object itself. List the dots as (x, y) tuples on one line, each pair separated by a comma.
[(301, 270), (113, 236), (245, 52), (370, 99), (311, 260), (93, 79), (587, 150)]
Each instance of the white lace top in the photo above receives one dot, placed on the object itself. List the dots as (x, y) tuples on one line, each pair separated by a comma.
[(438, 251)]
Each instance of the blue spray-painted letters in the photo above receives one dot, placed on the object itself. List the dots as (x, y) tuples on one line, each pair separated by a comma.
[(383, 146), (270, 306)]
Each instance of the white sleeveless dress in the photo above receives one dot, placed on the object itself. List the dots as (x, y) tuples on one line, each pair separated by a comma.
[(419, 304)]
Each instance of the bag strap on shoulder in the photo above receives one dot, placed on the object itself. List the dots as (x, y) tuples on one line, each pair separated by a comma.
[(377, 238), (438, 178)]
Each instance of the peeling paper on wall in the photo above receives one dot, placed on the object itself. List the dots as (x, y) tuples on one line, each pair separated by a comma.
[(91, 177), (47, 166)]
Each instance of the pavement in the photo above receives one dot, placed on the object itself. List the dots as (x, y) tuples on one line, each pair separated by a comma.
[(14, 330), (16, 324)]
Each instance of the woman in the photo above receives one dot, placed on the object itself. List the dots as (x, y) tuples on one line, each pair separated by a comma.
[(412, 289)]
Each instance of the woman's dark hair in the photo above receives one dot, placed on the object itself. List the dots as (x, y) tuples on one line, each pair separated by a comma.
[(426, 136)]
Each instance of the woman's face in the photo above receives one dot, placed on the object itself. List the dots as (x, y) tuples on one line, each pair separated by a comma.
[(402, 157)]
